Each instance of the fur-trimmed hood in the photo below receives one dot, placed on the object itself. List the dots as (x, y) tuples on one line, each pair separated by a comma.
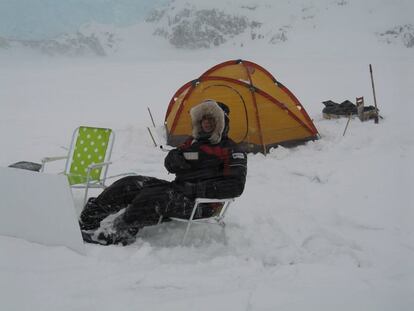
[(208, 107)]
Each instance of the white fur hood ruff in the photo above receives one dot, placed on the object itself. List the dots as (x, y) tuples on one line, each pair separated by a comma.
[(211, 108)]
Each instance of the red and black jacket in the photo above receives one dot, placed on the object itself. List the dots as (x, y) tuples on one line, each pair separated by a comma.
[(217, 170)]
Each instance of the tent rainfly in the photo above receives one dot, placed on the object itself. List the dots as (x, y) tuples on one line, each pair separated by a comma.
[(263, 112)]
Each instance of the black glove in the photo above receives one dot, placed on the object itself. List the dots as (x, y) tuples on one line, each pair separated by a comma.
[(175, 161)]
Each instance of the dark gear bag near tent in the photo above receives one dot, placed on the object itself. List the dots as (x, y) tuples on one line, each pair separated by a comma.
[(263, 112)]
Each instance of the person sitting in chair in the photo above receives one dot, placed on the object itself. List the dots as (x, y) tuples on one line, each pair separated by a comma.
[(208, 165)]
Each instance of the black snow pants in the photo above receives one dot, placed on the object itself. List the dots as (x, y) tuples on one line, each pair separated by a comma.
[(144, 199)]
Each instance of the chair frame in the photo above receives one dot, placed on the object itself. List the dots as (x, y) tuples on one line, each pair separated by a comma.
[(88, 184), (216, 219)]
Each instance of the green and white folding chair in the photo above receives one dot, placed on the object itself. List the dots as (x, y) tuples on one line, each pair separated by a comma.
[(88, 159)]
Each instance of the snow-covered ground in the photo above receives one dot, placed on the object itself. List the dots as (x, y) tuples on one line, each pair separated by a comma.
[(327, 225)]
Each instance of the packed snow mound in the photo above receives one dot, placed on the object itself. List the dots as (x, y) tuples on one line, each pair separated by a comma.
[(43, 213)]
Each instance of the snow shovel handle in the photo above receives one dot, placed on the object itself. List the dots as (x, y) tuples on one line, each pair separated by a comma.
[(373, 90)]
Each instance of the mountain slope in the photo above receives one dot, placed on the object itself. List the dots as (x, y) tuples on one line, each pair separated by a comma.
[(197, 25)]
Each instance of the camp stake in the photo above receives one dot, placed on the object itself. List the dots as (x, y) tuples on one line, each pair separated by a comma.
[(153, 140), (373, 90), (152, 119)]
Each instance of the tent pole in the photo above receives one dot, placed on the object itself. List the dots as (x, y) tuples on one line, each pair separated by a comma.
[(253, 91)]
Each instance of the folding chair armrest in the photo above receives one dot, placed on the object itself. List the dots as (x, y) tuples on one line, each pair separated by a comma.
[(51, 159), (94, 166), (97, 165)]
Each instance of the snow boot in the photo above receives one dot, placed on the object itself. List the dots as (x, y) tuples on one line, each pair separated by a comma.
[(110, 232)]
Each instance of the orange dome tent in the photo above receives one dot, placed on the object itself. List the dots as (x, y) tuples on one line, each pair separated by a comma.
[(263, 112)]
